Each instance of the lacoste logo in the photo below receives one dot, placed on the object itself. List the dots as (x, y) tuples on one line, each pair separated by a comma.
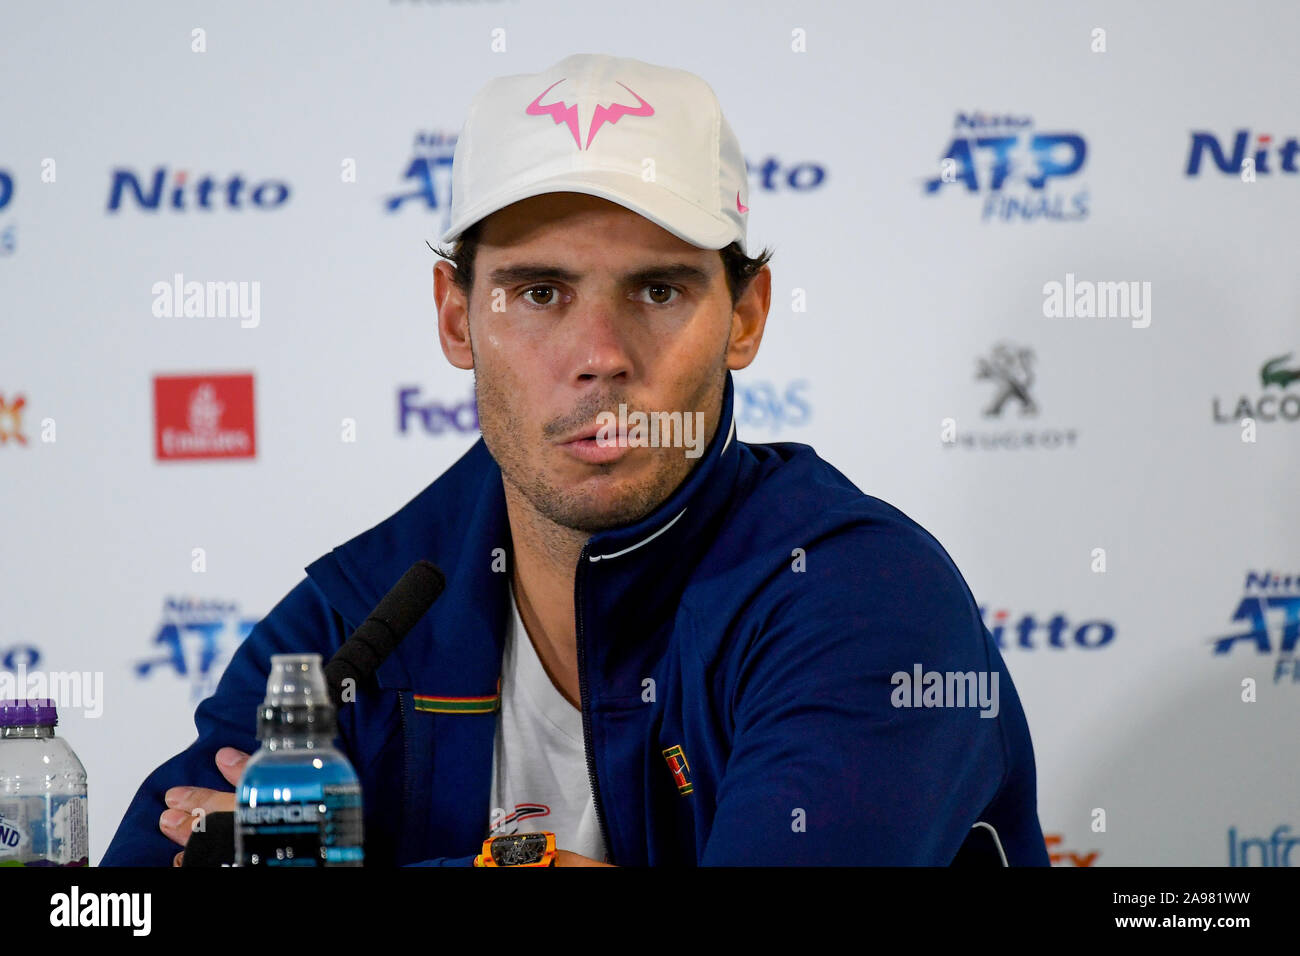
[(562, 113), (1273, 374), (680, 769)]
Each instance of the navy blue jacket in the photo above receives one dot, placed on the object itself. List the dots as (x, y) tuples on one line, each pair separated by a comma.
[(756, 620)]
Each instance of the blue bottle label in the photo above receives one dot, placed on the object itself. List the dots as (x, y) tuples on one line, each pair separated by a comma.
[(318, 832)]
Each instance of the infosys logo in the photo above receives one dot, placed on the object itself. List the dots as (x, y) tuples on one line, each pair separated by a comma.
[(180, 192)]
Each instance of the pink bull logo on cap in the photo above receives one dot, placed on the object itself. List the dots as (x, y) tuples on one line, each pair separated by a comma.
[(562, 113)]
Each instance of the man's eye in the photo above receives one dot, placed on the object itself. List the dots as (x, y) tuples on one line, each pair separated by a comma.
[(662, 294), (547, 291)]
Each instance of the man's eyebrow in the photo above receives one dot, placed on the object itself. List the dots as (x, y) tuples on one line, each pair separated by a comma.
[(672, 272)]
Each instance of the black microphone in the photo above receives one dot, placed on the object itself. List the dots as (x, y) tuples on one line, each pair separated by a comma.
[(380, 633), (357, 660)]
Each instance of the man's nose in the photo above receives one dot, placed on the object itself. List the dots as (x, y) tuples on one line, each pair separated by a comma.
[(602, 350)]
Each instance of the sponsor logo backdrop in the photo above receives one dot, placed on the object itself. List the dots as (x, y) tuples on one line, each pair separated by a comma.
[(1040, 296)]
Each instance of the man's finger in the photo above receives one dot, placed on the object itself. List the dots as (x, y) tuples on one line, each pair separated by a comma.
[(231, 764), (188, 808), (199, 798)]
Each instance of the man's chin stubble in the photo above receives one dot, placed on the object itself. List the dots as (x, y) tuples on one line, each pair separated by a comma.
[(593, 513)]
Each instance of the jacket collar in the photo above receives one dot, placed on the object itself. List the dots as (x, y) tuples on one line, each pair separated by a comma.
[(460, 523)]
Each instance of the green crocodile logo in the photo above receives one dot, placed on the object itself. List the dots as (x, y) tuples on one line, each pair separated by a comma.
[(1273, 374)]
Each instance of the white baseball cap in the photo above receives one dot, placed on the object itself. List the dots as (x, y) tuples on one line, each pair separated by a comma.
[(650, 138)]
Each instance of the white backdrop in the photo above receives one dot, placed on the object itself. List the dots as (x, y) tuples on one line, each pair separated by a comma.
[(887, 298)]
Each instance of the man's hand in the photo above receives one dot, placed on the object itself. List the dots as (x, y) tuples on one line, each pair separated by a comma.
[(178, 822)]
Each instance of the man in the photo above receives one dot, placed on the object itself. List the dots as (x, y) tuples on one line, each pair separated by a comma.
[(660, 643)]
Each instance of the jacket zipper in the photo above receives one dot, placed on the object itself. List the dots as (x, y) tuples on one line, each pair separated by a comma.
[(406, 761), (586, 706)]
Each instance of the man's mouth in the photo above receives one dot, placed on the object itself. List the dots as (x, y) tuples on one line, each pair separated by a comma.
[(585, 447)]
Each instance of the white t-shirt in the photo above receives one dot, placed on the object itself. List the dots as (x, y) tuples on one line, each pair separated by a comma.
[(539, 761)]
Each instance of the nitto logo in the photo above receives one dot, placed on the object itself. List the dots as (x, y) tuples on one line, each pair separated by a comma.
[(203, 193), (436, 417), (19, 657), (1270, 605), (773, 176), (1004, 158), (1059, 632), (1241, 160)]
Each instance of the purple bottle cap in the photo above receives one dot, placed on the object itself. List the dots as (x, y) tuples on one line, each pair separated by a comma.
[(28, 713)]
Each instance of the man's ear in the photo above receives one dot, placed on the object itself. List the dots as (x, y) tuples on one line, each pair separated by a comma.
[(453, 316), (748, 319)]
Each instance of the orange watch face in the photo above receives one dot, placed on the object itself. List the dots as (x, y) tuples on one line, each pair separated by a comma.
[(518, 849)]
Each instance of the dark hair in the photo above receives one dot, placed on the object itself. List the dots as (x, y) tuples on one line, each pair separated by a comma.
[(739, 268)]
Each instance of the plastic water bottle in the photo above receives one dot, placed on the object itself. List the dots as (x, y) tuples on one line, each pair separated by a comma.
[(42, 790), (299, 800)]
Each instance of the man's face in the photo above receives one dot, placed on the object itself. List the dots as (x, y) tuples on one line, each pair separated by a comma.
[(580, 305)]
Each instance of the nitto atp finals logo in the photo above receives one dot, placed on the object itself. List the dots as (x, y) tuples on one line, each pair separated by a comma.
[(198, 638), (1022, 175), (428, 176), (9, 231), (1270, 605)]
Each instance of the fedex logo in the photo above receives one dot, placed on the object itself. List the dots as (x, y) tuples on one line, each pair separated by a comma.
[(1067, 857), (434, 416)]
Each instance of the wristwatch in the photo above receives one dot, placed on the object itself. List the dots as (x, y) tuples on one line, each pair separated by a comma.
[(518, 849)]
